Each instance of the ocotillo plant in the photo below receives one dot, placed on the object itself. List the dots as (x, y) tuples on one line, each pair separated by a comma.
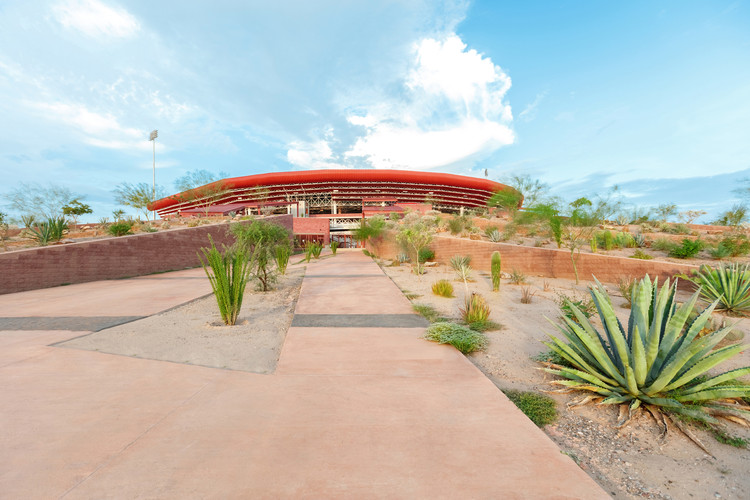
[(495, 269)]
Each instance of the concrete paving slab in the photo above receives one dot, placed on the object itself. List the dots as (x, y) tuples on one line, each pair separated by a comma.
[(141, 296)]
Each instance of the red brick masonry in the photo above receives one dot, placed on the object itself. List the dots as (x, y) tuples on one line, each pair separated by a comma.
[(112, 258), (548, 262)]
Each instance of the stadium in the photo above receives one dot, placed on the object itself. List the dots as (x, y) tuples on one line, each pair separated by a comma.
[(337, 198)]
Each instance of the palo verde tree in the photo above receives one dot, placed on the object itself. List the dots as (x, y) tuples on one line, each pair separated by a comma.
[(75, 209), (41, 202), (205, 196), (414, 238), (369, 229), (137, 196), (508, 200), (197, 178), (261, 239)]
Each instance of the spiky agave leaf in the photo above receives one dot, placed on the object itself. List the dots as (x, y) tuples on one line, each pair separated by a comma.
[(656, 361), (729, 284)]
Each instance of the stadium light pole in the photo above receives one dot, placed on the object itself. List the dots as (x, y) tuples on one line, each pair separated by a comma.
[(152, 138)]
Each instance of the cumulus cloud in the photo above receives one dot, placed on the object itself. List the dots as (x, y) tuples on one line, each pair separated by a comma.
[(96, 19), (451, 109)]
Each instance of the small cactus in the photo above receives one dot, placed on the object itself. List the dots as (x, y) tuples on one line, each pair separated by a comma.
[(495, 269)]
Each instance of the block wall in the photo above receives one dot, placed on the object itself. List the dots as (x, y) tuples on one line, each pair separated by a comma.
[(548, 262), (112, 258)]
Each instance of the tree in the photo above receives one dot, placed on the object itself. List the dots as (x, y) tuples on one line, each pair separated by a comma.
[(688, 216), (43, 202), (506, 199), (665, 211), (533, 190), (580, 226), (137, 196), (734, 217), (75, 209), (3, 229), (414, 238), (197, 178), (369, 229), (260, 239), (205, 196)]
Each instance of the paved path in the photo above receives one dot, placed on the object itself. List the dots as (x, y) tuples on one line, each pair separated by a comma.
[(357, 408)]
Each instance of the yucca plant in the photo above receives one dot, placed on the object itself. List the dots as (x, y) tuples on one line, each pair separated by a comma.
[(42, 233), (281, 256), (317, 247), (658, 363), (495, 268), (729, 285), (443, 288), (459, 261), (228, 273), (334, 247)]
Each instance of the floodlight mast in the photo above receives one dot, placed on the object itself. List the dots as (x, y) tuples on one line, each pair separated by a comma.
[(152, 137)]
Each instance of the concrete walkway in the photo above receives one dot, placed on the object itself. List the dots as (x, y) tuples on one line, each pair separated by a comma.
[(357, 408)]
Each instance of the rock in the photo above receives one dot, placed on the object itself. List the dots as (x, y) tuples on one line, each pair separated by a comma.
[(474, 237), (430, 264)]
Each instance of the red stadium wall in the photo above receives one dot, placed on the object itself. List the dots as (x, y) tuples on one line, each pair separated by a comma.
[(313, 226), (112, 258)]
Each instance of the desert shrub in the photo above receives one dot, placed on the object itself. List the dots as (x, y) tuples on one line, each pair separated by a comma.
[(228, 273), (334, 247), (663, 244), (459, 261), (624, 240), (475, 310), (425, 254), (394, 216), (679, 228), (719, 252), (193, 223), (490, 229), (509, 231), (540, 409), (495, 269), (568, 306), (605, 240), (640, 254), (625, 285), (455, 225), (148, 228), (728, 285), (464, 339), (443, 288), (517, 277), (120, 228), (526, 295), (687, 250), (369, 229), (281, 256), (658, 361), (28, 220), (738, 245)]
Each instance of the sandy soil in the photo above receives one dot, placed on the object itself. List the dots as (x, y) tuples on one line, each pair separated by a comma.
[(632, 463), (194, 334)]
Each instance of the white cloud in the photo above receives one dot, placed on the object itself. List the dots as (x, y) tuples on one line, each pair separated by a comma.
[(96, 19), (451, 110), (312, 155), (101, 130), (529, 112)]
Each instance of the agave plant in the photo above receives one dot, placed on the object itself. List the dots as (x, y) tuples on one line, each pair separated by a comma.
[(729, 285), (660, 362)]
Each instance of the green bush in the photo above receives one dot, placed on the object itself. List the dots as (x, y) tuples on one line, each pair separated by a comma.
[(425, 254), (687, 250), (281, 256), (462, 338), (729, 285), (663, 244), (720, 252), (120, 228), (228, 273), (455, 225), (443, 288), (659, 360), (624, 240), (540, 409), (640, 254), (495, 269), (737, 245)]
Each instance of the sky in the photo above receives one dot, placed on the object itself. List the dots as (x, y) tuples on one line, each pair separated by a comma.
[(650, 96)]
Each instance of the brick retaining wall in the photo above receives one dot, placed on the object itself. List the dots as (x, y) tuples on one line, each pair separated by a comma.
[(548, 262), (112, 258)]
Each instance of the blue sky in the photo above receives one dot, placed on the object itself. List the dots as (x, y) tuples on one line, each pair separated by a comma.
[(651, 96)]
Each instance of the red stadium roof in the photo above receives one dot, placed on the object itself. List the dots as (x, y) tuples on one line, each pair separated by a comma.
[(448, 189)]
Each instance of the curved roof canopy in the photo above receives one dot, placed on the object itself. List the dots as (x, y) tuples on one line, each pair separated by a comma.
[(443, 190)]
